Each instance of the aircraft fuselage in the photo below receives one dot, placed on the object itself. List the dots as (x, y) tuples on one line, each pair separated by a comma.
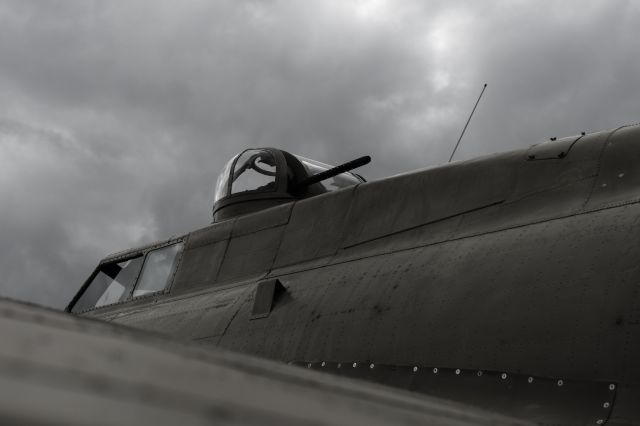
[(510, 281)]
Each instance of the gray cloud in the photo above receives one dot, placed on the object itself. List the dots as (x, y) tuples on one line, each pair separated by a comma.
[(117, 116)]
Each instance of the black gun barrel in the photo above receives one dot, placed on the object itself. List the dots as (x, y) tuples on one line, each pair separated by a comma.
[(358, 162)]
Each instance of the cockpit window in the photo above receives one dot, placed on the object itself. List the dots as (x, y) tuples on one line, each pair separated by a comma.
[(112, 283), (157, 270), (339, 181), (115, 282)]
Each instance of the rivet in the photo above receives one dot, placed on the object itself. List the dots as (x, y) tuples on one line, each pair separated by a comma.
[(415, 369), (560, 382), (530, 379), (604, 185), (355, 364), (339, 365), (612, 386), (503, 375), (479, 373), (309, 365), (606, 405), (600, 422), (323, 364), (621, 175), (457, 371), (371, 366), (435, 371)]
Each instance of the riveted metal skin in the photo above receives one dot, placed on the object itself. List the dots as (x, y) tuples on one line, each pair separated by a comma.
[(498, 264), (56, 369), (541, 400)]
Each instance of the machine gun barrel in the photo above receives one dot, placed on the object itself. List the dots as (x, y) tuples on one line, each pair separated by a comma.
[(319, 177)]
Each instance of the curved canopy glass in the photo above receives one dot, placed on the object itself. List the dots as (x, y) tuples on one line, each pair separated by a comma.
[(342, 180), (252, 170), (259, 178)]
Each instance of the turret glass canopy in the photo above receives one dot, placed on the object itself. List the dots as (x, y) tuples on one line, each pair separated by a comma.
[(258, 178)]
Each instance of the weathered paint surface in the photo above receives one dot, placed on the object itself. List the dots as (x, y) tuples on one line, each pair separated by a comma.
[(523, 263), (59, 370)]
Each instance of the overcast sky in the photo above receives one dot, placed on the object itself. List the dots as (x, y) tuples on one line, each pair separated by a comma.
[(116, 116)]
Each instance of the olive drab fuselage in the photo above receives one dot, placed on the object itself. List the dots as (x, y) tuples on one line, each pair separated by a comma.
[(510, 282)]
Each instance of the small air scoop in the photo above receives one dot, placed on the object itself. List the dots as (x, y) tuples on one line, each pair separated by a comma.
[(260, 178)]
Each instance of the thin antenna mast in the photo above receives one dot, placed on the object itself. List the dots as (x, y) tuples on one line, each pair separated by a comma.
[(465, 126)]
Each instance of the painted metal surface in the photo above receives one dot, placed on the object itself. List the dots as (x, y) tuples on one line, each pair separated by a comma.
[(267, 292), (59, 370), (538, 399), (497, 264), (553, 149)]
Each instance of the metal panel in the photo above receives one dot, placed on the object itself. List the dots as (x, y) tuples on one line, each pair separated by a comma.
[(548, 401), (254, 243), (626, 410), (316, 228), (421, 197), (199, 266), (254, 222), (533, 177), (220, 231), (203, 255), (202, 314), (427, 234), (250, 255), (555, 202), (619, 177), (543, 190)]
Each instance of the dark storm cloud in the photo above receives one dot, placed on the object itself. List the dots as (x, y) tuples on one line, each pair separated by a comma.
[(557, 69), (116, 116)]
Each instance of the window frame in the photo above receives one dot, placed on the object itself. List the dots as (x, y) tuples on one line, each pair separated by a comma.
[(123, 257)]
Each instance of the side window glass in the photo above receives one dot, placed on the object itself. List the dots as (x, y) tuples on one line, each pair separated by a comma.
[(112, 283), (157, 270)]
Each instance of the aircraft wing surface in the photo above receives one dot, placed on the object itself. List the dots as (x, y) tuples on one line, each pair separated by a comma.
[(56, 369)]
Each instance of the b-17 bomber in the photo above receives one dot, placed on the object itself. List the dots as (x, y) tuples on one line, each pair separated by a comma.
[(508, 283)]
